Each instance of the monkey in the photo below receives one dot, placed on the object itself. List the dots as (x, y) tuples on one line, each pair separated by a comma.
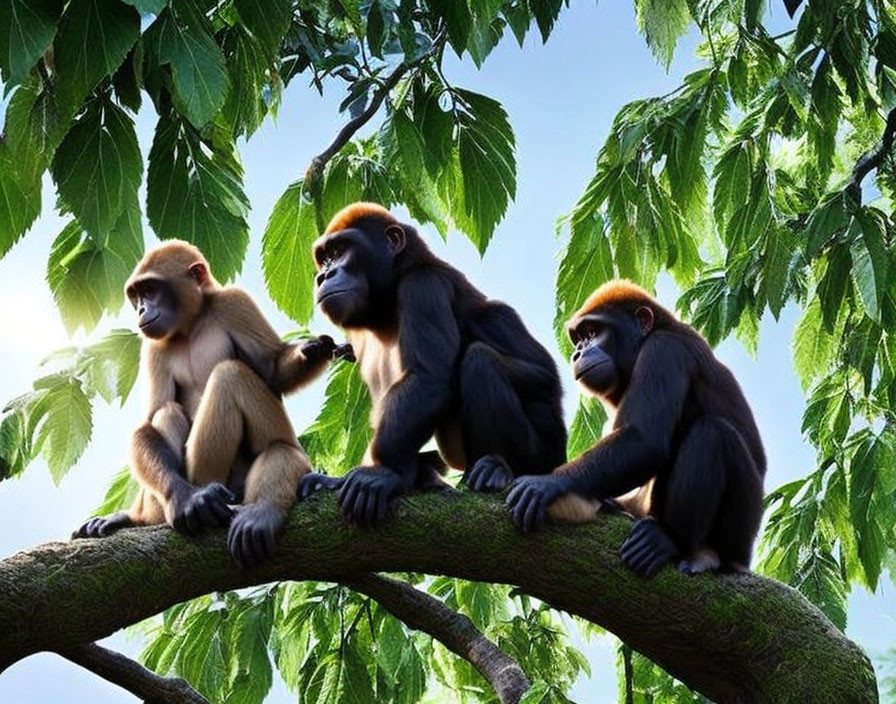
[(216, 432), (684, 456), (439, 358)]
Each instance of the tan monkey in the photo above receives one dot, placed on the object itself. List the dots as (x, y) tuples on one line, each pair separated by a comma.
[(216, 431)]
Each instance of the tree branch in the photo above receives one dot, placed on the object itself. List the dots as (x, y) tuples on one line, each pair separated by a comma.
[(132, 676), (873, 159), (318, 163), (455, 631), (734, 638)]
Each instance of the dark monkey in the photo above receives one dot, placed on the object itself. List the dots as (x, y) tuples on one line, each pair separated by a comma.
[(439, 359), (684, 445)]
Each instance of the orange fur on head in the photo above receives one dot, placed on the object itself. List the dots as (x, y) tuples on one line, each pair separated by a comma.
[(351, 214), (618, 292)]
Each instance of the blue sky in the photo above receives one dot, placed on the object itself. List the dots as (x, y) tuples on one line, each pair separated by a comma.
[(561, 98)]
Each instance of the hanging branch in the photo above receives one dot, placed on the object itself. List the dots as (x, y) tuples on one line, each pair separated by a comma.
[(873, 159)]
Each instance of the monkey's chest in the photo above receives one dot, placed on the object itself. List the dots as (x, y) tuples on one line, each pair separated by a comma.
[(379, 359), (194, 359)]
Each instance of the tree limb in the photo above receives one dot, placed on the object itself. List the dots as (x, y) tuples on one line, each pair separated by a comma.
[(316, 169), (734, 638), (455, 631), (132, 676), (873, 159)]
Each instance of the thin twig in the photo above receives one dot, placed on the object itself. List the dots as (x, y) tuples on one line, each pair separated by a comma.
[(132, 676), (351, 127), (455, 631), (873, 159)]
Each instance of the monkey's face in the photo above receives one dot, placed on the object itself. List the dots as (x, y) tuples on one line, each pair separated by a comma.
[(156, 307), (606, 346), (354, 271)]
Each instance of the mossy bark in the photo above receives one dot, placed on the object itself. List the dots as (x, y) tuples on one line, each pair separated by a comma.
[(737, 638)]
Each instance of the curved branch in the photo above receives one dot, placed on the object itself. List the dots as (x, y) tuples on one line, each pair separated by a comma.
[(132, 676), (455, 631), (316, 168), (735, 638), (873, 159)]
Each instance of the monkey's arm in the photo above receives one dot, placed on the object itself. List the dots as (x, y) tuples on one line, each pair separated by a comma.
[(638, 446), (429, 342), (285, 368)]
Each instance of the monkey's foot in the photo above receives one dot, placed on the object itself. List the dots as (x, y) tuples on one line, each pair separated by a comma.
[(647, 548), (529, 499), (314, 482), (101, 526), (704, 560), (367, 492), (206, 507), (488, 473), (253, 532)]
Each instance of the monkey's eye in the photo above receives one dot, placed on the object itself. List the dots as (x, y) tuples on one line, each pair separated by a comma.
[(336, 251)]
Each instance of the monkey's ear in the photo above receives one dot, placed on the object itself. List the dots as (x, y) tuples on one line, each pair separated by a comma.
[(644, 315), (395, 235), (199, 271)]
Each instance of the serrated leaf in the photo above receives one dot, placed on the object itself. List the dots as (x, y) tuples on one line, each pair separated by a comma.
[(458, 21), (776, 268), (587, 427), (663, 23), (184, 41), (26, 30), (376, 28), (98, 168), (487, 163), (812, 347), (93, 39), (251, 674), (65, 424), (14, 441), (819, 578), (267, 20), (870, 263), (112, 365), (586, 263), (19, 207), (34, 127), (120, 494), (195, 192), (536, 694), (87, 274), (286, 254), (545, 13)]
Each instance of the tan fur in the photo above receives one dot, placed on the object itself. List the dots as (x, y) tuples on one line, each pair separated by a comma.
[(618, 291), (221, 402), (357, 211), (379, 360), (572, 508)]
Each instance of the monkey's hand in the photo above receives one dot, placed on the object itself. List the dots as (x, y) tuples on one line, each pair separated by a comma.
[(205, 507), (318, 348), (101, 526), (647, 548), (488, 473), (529, 499), (345, 352), (314, 482), (366, 493), (253, 533)]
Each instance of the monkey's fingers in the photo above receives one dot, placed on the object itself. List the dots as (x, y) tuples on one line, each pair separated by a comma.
[(347, 495), (222, 492), (345, 352), (533, 518)]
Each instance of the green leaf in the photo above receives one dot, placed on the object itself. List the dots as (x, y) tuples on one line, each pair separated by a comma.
[(14, 445), (487, 164), (545, 12), (251, 674), (26, 30), (286, 254), (183, 40), (65, 424), (111, 365), (341, 678), (19, 207), (586, 263), (587, 427), (93, 39), (870, 261), (813, 347), (97, 167), (34, 128), (820, 579), (376, 28), (663, 23), (195, 191), (87, 274), (458, 21), (339, 435), (148, 7), (267, 20), (536, 694), (776, 268), (120, 494), (246, 107)]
